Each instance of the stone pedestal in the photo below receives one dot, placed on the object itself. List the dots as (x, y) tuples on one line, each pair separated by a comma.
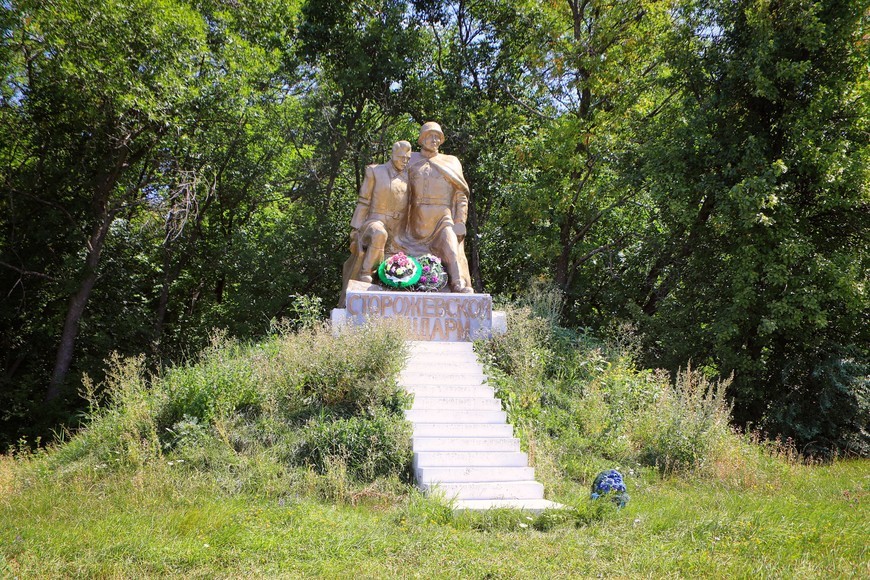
[(431, 316)]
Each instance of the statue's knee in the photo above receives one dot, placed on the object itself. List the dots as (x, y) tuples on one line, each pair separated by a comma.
[(378, 235)]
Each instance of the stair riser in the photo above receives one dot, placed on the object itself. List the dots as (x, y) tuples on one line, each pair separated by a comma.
[(451, 364), (451, 391), (497, 490), (465, 444), (428, 345), (532, 506), (457, 403), (442, 379), (430, 362), (429, 475), (446, 385), (440, 416), (469, 459), (463, 430)]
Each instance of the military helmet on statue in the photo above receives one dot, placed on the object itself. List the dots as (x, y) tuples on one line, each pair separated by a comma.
[(430, 127)]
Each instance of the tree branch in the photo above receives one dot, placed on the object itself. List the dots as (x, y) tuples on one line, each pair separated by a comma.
[(28, 272)]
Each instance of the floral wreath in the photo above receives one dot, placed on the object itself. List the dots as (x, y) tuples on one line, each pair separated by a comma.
[(434, 277), (400, 271)]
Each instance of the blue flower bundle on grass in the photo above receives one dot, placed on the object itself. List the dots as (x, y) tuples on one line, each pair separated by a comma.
[(610, 483)]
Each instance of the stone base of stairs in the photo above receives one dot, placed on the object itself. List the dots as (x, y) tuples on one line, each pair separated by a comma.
[(464, 449), (534, 506)]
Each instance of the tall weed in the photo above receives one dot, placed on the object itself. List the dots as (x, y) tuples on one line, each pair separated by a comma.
[(590, 399), (687, 423), (368, 447), (249, 413)]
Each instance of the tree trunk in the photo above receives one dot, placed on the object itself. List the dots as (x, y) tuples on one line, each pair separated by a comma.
[(172, 273), (562, 262), (76, 309)]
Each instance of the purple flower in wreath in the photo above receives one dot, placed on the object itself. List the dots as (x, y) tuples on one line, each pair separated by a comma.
[(433, 276)]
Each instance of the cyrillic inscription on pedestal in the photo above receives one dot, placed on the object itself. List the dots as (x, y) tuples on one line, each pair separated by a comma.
[(448, 317)]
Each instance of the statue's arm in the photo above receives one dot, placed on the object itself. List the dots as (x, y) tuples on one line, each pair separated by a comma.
[(460, 205), (365, 198)]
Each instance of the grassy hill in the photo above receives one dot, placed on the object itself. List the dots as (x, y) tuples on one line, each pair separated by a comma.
[(290, 458)]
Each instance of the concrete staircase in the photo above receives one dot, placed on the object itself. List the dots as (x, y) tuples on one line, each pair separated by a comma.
[(463, 445)]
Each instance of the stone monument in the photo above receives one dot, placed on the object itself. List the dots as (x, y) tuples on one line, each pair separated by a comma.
[(408, 233), (416, 205)]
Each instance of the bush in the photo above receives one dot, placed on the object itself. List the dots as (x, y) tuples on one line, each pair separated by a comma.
[(684, 426), (827, 407), (591, 400), (368, 447), (247, 413)]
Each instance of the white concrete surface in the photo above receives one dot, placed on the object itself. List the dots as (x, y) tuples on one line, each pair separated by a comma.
[(464, 449)]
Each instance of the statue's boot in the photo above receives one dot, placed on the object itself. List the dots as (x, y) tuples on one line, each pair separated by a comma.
[(456, 282), (374, 256)]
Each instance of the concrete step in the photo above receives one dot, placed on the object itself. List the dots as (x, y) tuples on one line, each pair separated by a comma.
[(439, 364), (445, 378), (454, 416), (430, 358), (470, 459), (473, 474), (421, 346), (459, 403), (451, 391), (534, 506), (441, 361), (465, 444), (408, 387), (488, 490), (464, 450), (463, 430)]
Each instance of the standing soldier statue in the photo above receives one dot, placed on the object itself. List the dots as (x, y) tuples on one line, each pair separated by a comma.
[(439, 206)]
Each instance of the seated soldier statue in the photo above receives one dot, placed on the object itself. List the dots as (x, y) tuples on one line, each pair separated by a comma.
[(380, 217)]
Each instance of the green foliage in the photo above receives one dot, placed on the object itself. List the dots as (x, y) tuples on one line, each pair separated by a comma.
[(758, 175), (838, 418), (253, 412), (686, 424), (307, 311), (592, 401), (368, 447), (698, 168), (195, 528)]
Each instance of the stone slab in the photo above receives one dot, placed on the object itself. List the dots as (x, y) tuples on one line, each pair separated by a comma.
[(463, 429), (488, 490), (534, 506), (470, 459), (473, 474), (499, 322), (431, 316)]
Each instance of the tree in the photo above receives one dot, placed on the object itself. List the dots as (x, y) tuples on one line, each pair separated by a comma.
[(122, 115), (759, 177), (99, 89)]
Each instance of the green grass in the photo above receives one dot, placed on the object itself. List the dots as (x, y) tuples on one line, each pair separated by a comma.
[(808, 521), (291, 458)]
